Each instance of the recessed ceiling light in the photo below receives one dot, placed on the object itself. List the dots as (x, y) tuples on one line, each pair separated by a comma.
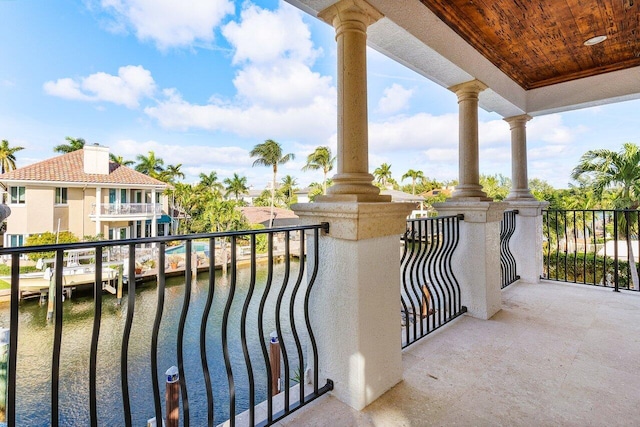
[(595, 40)]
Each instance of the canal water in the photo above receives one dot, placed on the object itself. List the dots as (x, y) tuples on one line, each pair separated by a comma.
[(36, 345)]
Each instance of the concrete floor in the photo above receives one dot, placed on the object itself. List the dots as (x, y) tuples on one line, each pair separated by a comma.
[(556, 355)]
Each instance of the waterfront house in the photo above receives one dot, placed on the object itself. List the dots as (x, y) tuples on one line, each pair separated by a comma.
[(85, 193)]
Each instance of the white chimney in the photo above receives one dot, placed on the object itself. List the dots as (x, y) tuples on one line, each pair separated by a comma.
[(96, 159)]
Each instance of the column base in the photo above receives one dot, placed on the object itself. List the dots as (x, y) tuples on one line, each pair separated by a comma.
[(516, 195), (470, 193)]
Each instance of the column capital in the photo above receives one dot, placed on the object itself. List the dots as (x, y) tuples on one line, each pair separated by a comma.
[(516, 121), (354, 11), (468, 90)]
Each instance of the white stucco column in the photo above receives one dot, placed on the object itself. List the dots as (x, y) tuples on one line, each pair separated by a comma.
[(355, 302), (154, 219), (519, 178), (468, 163), (352, 182), (476, 261), (526, 242), (99, 211)]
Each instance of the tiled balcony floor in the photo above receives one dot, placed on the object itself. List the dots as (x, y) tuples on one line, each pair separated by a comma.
[(556, 355)]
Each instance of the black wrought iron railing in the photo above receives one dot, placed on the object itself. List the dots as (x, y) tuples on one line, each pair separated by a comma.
[(430, 294), (594, 247), (101, 363), (508, 267)]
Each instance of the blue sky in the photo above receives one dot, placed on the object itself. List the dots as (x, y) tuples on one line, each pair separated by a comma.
[(202, 85)]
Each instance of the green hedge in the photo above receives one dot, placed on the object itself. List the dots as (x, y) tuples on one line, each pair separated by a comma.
[(571, 268)]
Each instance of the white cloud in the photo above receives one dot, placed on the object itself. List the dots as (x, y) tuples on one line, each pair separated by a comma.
[(278, 94), (127, 88), (264, 36), (66, 88), (315, 121), (285, 83), (188, 155), (441, 155), (169, 23), (396, 98), (419, 131), (494, 132), (551, 129)]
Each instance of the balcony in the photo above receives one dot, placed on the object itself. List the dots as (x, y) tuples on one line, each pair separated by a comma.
[(555, 354), (126, 211)]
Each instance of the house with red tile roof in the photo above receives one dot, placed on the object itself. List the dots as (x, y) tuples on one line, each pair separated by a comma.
[(85, 193)]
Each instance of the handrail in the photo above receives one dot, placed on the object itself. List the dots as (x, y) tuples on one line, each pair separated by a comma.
[(283, 298)]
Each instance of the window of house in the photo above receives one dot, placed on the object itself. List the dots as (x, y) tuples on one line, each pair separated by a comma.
[(17, 195), (15, 240), (61, 196)]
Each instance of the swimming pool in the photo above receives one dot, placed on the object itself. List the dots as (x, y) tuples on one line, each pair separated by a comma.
[(198, 246)]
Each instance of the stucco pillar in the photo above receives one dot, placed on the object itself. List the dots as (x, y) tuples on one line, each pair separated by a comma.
[(98, 210), (355, 302), (352, 182), (526, 242), (468, 163), (476, 261), (519, 178)]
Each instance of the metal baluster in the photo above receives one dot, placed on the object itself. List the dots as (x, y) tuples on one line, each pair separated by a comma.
[(181, 327), (283, 347), (124, 352), (261, 333), (294, 330), (155, 331), (243, 332), (97, 315)]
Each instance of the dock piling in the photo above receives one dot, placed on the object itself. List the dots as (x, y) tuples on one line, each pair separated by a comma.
[(172, 396), (274, 361), (119, 290)]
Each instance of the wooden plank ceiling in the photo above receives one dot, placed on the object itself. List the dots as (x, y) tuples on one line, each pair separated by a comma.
[(540, 43)]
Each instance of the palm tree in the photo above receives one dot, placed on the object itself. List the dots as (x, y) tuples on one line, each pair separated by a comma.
[(236, 185), (73, 145), (622, 169), (288, 189), (7, 157), (269, 153), (171, 173), (150, 165), (383, 174), (321, 159), (120, 160), (414, 175), (223, 216), (211, 183)]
